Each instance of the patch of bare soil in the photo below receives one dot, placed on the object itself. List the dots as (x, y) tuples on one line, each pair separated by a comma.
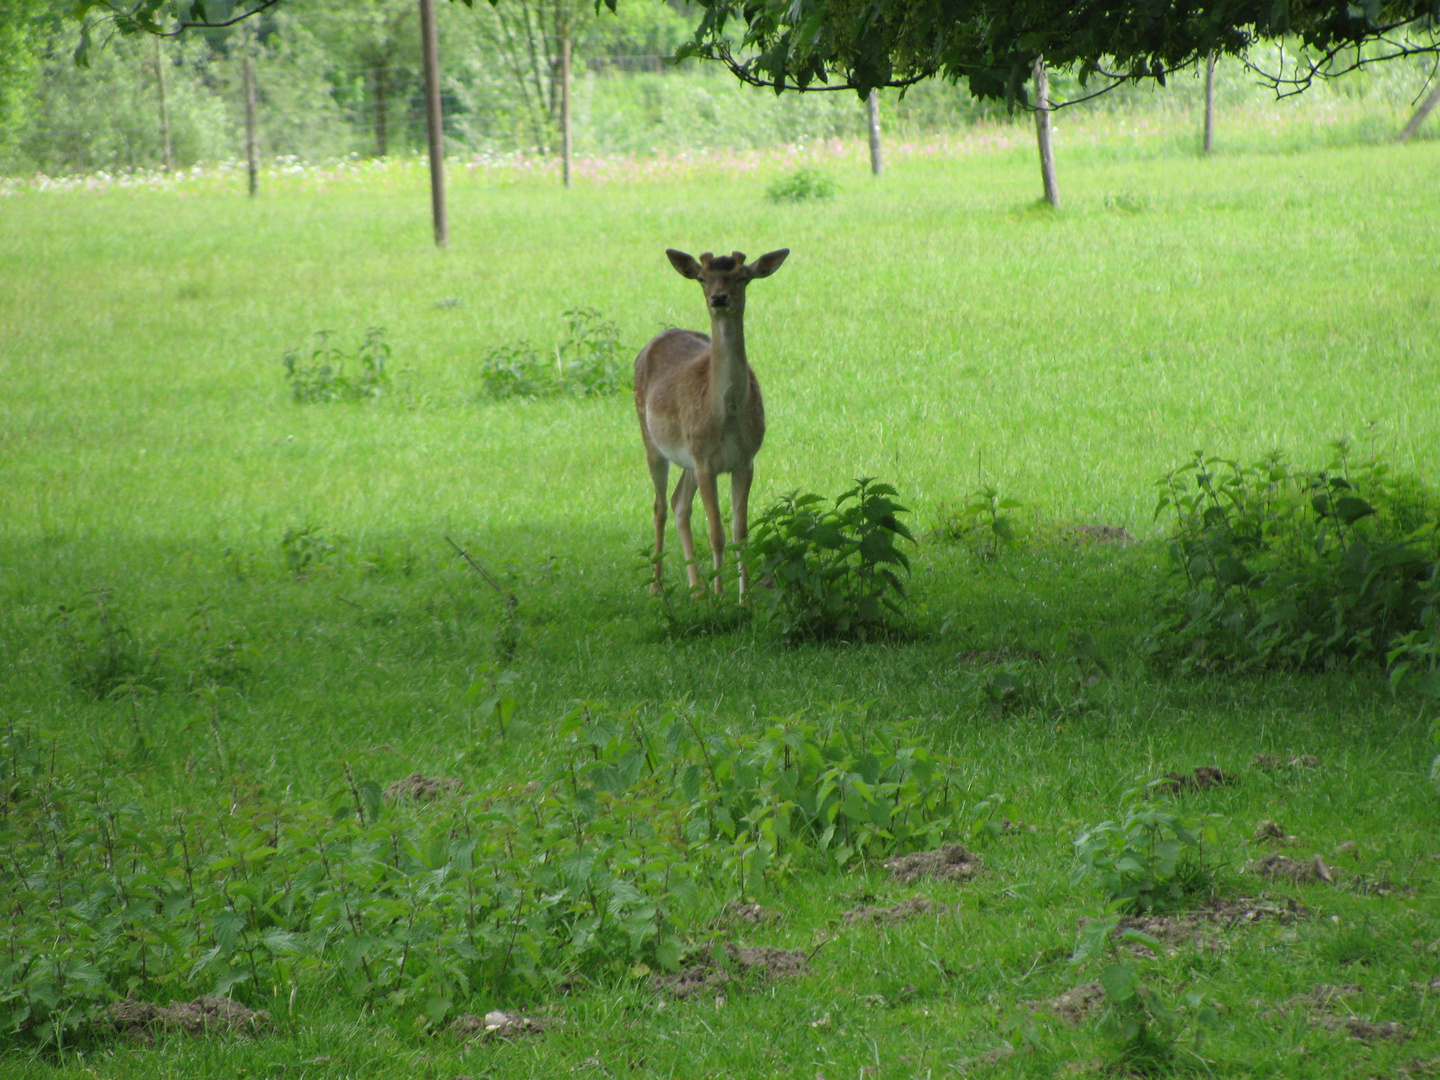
[(1204, 777), (497, 1024), (417, 787), (1253, 909), (1332, 1004), (1272, 762), (1270, 830), (1098, 534), (1415, 1068), (140, 1019), (754, 914), (993, 657), (901, 912), (703, 973), (1279, 867), (1074, 1005), (1189, 929), (950, 862)]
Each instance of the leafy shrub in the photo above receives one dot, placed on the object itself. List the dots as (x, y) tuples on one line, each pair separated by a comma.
[(306, 548), (101, 654), (1150, 859), (983, 523), (321, 377), (1302, 568), (591, 362), (835, 571), (805, 185)]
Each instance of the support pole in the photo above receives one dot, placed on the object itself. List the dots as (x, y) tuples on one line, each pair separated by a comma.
[(1419, 118), (164, 112), (1209, 102), (1042, 132), (431, 50), (566, 145), (872, 108), (252, 155)]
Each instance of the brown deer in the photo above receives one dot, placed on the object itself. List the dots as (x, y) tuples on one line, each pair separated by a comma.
[(700, 407)]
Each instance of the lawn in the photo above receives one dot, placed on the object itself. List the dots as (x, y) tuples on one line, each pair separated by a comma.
[(306, 628)]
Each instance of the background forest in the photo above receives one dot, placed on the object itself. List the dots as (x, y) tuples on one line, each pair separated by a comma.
[(338, 80)]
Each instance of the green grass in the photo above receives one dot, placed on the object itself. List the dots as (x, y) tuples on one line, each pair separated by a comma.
[(930, 329)]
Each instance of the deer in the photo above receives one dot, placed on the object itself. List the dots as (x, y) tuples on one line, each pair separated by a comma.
[(700, 408)]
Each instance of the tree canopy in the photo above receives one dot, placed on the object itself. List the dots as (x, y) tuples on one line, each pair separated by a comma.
[(990, 44)]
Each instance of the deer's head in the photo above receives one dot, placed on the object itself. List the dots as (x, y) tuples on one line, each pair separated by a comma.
[(724, 277)]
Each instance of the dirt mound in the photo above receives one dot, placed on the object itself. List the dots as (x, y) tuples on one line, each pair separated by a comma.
[(417, 787), (1074, 1005), (1098, 534), (901, 912), (1270, 830), (754, 914), (496, 1024), (950, 862), (1190, 929), (1329, 1007), (1253, 909), (1271, 762), (704, 973), (140, 1019), (1204, 777), (1279, 867)]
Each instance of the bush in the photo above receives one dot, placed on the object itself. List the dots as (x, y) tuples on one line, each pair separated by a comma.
[(1283, 567), (592, 362), (321, 377), (835, 572), (1150, 859), (806, 185)]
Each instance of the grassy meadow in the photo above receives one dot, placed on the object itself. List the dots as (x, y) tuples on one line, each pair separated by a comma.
[(935, 328)]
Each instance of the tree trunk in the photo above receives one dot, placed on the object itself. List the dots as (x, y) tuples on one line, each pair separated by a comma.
[(1421, 113), (1209, 102), (252, 157), (164, 112), (382, 106), (565, 140), (1042, 132), (434, 122), (872, 108)]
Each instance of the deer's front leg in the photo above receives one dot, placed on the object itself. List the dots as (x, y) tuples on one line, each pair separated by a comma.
[(682, 502), (710, 499), (740, 525)]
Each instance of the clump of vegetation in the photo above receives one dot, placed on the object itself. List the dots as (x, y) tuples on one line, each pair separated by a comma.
[(983, 523), (1305, 568), (322, 376), (835, 570), (1151, 859), (306, 548), (804, 185), (594, 866), (101, 655), (591, 362)]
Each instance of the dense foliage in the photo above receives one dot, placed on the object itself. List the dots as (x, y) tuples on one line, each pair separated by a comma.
[(595, 864), (1279, 566)]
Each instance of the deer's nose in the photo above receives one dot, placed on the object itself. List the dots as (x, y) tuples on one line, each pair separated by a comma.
[(720, 299)]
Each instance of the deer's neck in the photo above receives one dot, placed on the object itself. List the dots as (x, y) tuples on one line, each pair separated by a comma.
[(729, 373)]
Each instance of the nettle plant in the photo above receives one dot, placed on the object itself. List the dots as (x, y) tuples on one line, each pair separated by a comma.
[(591, 362), (329, 373), (836, 571), (1286, 567), (1152, 858)]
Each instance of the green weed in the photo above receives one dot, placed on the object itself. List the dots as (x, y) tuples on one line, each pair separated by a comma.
[(803, 185), (322, 377), (591, 362)]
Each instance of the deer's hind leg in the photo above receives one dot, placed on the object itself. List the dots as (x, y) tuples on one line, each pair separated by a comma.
[(659, 476)]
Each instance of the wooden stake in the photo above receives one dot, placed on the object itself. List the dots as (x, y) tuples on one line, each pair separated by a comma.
[(872, 108), (164, 112), (1042, 132), (565, 141), (1209, 102), (1419, 118), (252, 156), (431, 49)]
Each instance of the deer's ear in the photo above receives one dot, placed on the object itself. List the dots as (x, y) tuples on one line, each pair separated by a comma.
[(685, 265), (766, 265)]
